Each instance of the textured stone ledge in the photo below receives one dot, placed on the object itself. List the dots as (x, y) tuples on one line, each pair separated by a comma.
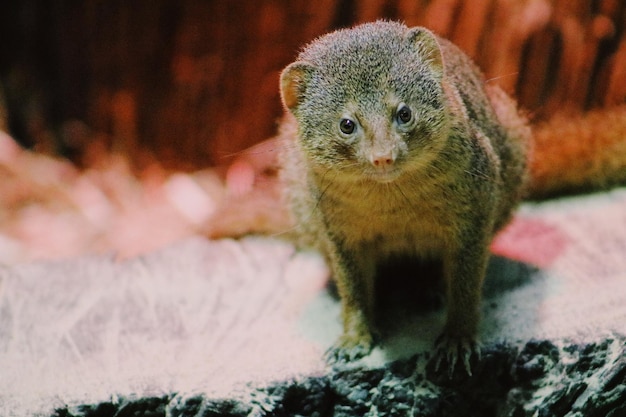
[(225, 327), (540, 379)]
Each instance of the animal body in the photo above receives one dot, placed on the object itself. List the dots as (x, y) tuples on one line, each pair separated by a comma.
[(397, 147)]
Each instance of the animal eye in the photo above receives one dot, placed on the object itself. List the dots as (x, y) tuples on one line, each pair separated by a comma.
[(347, 126), (404, 114)]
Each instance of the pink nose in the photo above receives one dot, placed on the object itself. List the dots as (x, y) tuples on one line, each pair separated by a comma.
[(382, 161)]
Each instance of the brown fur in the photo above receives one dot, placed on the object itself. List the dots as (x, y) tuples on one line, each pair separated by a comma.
[(573, 153), (438, 188)]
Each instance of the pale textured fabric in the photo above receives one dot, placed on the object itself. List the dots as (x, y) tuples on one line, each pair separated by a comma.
[(212, 316)]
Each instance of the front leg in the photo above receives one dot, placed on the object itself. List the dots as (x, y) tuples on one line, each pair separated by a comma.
[(354, 274), (464, 271)]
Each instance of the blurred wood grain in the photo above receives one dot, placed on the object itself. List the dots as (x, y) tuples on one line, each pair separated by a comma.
[(190, 82)]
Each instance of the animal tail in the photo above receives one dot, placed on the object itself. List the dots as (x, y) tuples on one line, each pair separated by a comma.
[(573, 154)]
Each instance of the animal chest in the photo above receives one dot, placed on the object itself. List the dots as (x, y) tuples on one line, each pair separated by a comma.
[(389, 218)]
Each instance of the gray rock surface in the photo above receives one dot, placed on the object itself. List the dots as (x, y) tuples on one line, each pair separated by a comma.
[(540, 380)]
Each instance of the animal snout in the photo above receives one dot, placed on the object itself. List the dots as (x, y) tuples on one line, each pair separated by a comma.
[(382, 160)]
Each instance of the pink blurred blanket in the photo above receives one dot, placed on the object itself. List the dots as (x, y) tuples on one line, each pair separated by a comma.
[(214, 316)]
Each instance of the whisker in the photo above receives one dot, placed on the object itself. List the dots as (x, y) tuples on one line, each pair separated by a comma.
[(284, 232), (315, 207), (501, 76), (319, 200), (477, 174), (401, 191), (251, 151)]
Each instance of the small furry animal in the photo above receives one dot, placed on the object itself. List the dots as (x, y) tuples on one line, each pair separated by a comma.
[(398, 147)]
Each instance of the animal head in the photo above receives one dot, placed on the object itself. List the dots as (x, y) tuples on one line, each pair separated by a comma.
[(368, 100)]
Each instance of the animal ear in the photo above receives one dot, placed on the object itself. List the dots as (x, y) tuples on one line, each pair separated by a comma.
[(294, 81), (427, 47)]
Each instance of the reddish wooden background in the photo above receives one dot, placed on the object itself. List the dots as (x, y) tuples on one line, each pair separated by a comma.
[(190, 82)]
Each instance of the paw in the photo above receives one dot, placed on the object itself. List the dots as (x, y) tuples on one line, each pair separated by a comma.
[(455, 351), (348, 350)]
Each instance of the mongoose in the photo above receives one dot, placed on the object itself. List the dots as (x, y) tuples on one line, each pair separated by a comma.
[(397, 146)]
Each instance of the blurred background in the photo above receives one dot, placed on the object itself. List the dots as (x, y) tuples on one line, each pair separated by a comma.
[(116, 116), (190, 82)]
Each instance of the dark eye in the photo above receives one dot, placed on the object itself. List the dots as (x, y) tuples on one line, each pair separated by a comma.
[(347, 126), (404, 114)]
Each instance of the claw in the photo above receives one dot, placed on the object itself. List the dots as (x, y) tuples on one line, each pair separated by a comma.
[(466, 362), (452, 350), (344, 352)]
